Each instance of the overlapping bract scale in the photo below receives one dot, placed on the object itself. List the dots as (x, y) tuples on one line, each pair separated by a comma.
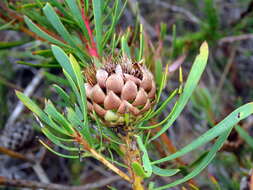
[(121, 88)]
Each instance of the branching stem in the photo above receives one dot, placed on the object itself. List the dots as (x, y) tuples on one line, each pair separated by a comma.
[(99, 157)]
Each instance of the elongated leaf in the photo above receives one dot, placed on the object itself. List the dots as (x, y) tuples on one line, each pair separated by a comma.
[(163, 83), (32, 106), (204, 163), (44, 129), (74, 119), (57, 153), (76, 13), (81, 101), (75, 89), (164, 104), (57, 24), (63, 60), (60, 28), (33, 27), (245, 136), (138, 169), (141, 43), (158, 71), (37, 111), (191, 83), (145, 158), (58, 117), (7, 25), (163, 121), (43, 65), (56, 79), (7, 45), (57, 4), (80, 84), (62, 94), (78, 112), (164, 172), (97, 11), (43, 52), (58, 142), (115, 17), (124, 46), (231, 120)]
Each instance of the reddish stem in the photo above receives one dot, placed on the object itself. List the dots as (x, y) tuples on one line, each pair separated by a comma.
[(92, 49)]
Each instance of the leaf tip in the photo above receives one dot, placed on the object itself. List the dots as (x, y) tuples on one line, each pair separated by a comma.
[(204, 47), (18, 93), (47, 5)]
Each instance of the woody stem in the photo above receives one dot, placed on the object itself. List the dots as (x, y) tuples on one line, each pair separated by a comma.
[(132, 154), (99, 157)]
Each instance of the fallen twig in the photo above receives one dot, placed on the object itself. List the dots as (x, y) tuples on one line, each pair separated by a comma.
[(177, 9), (14, 154), (231, 39), (226, 71), (52, 186)]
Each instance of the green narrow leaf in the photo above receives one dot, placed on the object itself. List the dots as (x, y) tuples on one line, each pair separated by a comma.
[(163, 83), (111, 135), (191, 83), (7, 25), (138, 169), (31, 105), (75, 89), (58, 117), (58, 142), (43, 65), (44, 129), (164, 172), (62, 94), (231, 120), (97, 11), (59, 27), (43, 52), (63, 60), (7, 45), (145, 158), (56, 79), (141, 43), (57, 4), (163, 121), (33, 27), (203, 164), (113, 44), (245, 135), (37, 111), (39, 3), (57, 153), (57, 24), (80, 84), (78, 112), (76, 13), (83, 127), (163, 106), (73, 118), (158, 71), (110, 32), (124, 46)]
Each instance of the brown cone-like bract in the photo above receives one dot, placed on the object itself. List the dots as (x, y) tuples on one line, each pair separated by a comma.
[(120, 89)]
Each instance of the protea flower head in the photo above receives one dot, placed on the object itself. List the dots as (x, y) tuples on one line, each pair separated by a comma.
[(118, 89)]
